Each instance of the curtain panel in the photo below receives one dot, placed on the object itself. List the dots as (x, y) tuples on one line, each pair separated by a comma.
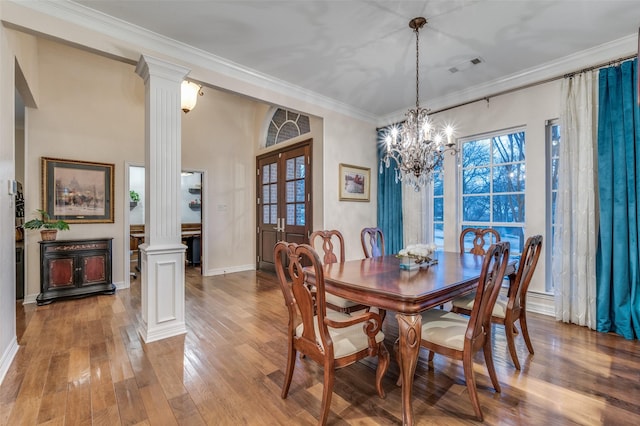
[(618, 260), (389, 201), (574, 245)]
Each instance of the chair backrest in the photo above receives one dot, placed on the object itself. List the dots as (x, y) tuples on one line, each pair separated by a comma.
[(329, 240), (372, 240), (493, 269), (526, 268), (299, 298), (479, 242)]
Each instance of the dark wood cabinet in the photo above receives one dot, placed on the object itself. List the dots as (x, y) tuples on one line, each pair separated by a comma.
[(74, 268)]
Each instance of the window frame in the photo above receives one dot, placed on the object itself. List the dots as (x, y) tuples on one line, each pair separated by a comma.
[(549, 192), (462, 224)]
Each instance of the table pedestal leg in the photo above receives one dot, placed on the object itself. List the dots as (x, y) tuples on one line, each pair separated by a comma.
[(410, 331)]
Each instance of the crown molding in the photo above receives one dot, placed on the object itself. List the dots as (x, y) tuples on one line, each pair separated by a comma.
[(545, 72), (149, 41)]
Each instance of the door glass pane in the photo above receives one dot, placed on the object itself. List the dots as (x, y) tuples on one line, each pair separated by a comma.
[(265, 214), (291, 169), (265, 194), (291, 192), (274, 172), (300, 215), (300, 169), (300, 190), (291, 219), (274, 214), (265, 173), (274, 192)]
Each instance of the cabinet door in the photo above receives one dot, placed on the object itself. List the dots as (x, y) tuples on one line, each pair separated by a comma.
[(61, 272), (93, 269)]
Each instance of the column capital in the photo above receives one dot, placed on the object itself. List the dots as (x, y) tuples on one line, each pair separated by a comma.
[(151, 66)]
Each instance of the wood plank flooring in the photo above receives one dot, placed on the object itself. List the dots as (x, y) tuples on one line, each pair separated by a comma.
[(81, 362)]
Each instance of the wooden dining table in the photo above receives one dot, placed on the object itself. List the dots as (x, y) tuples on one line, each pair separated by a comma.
[(380, 282)]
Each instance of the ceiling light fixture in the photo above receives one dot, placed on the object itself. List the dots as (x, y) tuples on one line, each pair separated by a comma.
[(189, 92), (416, 146)]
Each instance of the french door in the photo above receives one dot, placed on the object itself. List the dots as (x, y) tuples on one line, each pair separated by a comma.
[(283, 190)]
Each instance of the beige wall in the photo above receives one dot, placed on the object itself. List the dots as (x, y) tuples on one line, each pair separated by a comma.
[(91, 109)]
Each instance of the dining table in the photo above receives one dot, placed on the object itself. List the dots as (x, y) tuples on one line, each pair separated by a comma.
[(381, 282)]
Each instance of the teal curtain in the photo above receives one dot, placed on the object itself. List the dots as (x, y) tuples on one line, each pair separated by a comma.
[(618, 258), (389, 202)]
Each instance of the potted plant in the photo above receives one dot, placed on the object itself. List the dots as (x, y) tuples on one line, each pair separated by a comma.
[(134, 198), (48, 228)]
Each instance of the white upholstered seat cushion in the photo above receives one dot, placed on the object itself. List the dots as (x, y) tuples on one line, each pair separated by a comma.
[(338, 301), (444, 328), (346, 341), (466, 302)]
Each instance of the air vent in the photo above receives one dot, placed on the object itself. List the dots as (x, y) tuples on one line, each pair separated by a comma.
[(466, 65)]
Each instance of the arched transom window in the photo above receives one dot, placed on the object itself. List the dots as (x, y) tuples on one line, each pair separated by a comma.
[(286, 125)]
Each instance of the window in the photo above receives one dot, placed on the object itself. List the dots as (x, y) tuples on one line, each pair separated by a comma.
[(286, 125), (553, 157), (438, 207), (493, 184)]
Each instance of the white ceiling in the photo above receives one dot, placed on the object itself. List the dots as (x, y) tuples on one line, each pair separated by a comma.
[(362, 53)]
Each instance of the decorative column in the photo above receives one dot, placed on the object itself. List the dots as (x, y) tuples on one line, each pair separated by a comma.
[(162, 254)]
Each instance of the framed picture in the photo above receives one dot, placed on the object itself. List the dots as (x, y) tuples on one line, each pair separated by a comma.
[(77, 191), (354, 183)]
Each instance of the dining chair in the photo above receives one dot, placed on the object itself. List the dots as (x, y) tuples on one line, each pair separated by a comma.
[(332, 339), (459, 336), (329, 240), (372, 240), (511, 307), (479, 241)]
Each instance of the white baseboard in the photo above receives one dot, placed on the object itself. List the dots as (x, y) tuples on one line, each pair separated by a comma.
[(541, 303), (122, 285), (29, 298), (229, 269), (7, 357)]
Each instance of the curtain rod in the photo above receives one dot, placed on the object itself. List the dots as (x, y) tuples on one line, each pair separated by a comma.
[(526, 86), (537, 83)]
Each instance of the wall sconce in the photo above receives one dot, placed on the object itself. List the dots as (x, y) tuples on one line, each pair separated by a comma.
[(189, 95)]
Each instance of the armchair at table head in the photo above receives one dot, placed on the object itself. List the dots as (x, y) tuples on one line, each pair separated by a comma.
[(372, 240), (479, 241), (332, 339)]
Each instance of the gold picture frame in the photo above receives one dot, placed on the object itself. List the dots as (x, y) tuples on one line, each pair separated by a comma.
[(355, 183), (77, 191)]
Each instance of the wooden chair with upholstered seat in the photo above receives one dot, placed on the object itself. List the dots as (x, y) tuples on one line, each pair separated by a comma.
[(460, 336), (332, 339), (372, 240), (511, 307), (331, 239), (479, 235)]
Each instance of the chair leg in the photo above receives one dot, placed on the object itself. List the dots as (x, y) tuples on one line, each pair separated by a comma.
[(396, 351), (291, 362), (525, 331), (467, 363), (488, 359), (383, 365), (511, 336), (327, 392)]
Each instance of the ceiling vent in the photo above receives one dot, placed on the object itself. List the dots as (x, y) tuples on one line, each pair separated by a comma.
[(465, 65)]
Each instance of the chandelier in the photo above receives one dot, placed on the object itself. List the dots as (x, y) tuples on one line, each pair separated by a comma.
[(416, 146)]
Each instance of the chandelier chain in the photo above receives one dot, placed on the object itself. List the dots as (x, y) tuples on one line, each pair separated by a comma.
[(417, 31)]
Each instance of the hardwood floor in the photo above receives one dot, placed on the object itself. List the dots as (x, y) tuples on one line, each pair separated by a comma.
[(82, 362)]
